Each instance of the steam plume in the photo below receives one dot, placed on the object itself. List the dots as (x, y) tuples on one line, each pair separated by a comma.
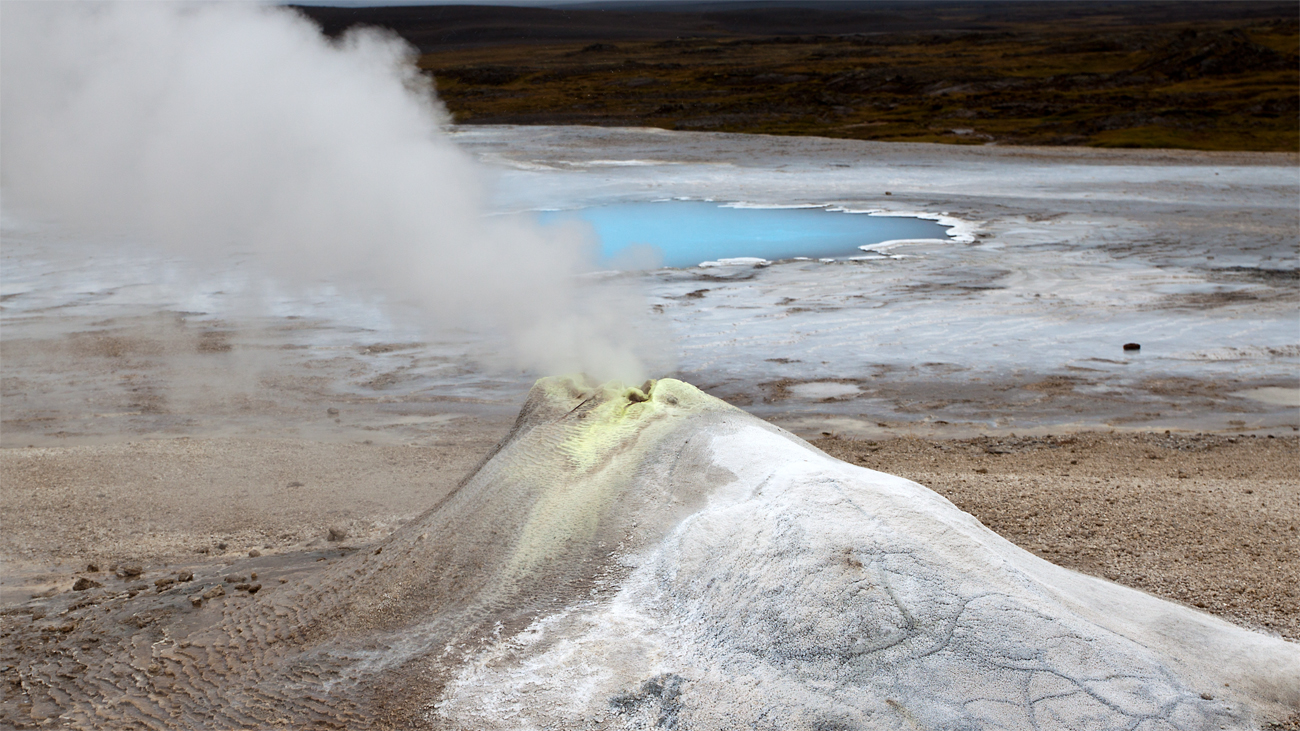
[(207, 129)]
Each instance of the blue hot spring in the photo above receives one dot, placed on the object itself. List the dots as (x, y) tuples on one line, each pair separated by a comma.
[(685, 233)]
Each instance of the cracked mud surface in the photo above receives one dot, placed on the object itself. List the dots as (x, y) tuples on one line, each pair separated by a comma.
[(1208, 521), (1182, 526)]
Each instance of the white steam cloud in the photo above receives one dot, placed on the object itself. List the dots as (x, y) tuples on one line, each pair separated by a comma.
[(206, 129)]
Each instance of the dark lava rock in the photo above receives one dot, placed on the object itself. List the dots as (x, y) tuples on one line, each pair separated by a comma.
[(185, 576), (164, 583), (235, 579), (82, 584), (254, 553), (1132, 346), (215, 592), (130, 570), (92, 568), (254, 588)]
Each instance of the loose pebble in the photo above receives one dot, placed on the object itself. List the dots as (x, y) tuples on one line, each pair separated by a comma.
[(130, 571), (82, 584)]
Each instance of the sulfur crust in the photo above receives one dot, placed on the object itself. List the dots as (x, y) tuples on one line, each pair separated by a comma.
[(623, 420)]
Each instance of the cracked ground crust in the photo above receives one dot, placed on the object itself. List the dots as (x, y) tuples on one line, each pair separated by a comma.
[(1208, 521), (1200, 539), (1097, 503)]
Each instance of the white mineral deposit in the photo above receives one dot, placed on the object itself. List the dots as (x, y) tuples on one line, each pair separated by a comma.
[(652, 557)]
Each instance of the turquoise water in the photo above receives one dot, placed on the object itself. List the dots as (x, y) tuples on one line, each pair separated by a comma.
[(686, 233)]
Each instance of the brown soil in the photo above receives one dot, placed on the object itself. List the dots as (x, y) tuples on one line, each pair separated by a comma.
[(1208, 521), (191, 502)]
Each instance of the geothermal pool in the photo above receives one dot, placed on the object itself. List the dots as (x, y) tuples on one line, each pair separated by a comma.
[(687, 233), (1012, 320)]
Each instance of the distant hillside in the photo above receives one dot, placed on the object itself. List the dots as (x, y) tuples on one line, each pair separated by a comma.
[(1203, 75)]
